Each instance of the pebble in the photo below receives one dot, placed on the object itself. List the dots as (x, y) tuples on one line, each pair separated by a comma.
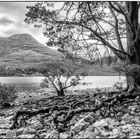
[(52, 135), (26, 136), (134, 137), (43, 135), (29, 131), (63, 136), (89, 135)]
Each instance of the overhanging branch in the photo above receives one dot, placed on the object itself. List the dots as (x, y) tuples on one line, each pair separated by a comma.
[(116, 51)]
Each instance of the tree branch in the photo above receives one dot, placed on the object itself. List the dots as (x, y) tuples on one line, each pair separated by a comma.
[(126, 17), (116, 31), (116, 51)]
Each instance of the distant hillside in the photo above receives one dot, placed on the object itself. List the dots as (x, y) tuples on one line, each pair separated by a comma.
[(24, 50)]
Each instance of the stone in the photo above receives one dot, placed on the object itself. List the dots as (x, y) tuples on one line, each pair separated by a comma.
[(63, 136), (91, 128), (116, 131), (123, 122), (43, 135), (137, 120), (11, 134), (128, 119), (90, 135), (36, 126), (89, 118), (127, 126), (101, 123), (9, 118), (29, 131), (82, 134), (113, 137), (52, 135), (20, 131), (79, 126), (3, 132), (98, 137), (42, 131), (4, 123), (26, 136), (107, 134), (107, 123), (134, 137)]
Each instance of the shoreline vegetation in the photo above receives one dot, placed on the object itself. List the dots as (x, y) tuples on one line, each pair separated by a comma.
[(91, 70)]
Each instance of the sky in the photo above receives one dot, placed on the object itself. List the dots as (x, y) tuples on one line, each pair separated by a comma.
[(12, 15)]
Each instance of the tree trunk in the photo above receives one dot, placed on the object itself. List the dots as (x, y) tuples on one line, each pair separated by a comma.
[(132, 47), (133, 82), (60, 92)]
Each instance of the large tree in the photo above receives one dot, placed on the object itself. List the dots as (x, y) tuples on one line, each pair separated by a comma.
[(92, 24)]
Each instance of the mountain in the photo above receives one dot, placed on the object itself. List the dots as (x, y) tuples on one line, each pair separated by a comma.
[(24, 50)]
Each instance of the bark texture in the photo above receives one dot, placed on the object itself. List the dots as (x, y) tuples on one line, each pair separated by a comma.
[(133, 43)]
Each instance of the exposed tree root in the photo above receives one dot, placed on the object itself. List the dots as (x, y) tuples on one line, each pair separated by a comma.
[(30, 114), (69, 106)]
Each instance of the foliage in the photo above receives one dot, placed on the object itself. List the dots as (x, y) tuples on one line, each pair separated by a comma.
[(60, 76), (11, 71), (83, 25), (130, 70), (88, 26), (30, 70), (7, 94)]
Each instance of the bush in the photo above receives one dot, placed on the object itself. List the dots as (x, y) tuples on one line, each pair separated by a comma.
[(7, 94), (60, 76)]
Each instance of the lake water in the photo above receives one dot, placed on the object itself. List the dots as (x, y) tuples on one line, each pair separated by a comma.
[(92, 82)]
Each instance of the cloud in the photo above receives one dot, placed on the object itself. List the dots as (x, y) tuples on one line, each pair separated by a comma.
[(12, 15), (6, 21)]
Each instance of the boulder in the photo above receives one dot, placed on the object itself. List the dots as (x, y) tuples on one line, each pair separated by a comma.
[(80, 126), (106, 123)]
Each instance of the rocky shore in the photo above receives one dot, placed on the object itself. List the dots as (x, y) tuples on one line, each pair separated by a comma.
[(82, 125)]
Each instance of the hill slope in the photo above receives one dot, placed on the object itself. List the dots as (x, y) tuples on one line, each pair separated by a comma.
[(24, 50)]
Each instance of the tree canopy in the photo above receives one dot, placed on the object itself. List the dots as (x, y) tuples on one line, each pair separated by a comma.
[(90, 26), (86, 24)]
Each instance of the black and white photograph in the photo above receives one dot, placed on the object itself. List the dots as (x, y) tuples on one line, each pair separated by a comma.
[(69, 69)]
